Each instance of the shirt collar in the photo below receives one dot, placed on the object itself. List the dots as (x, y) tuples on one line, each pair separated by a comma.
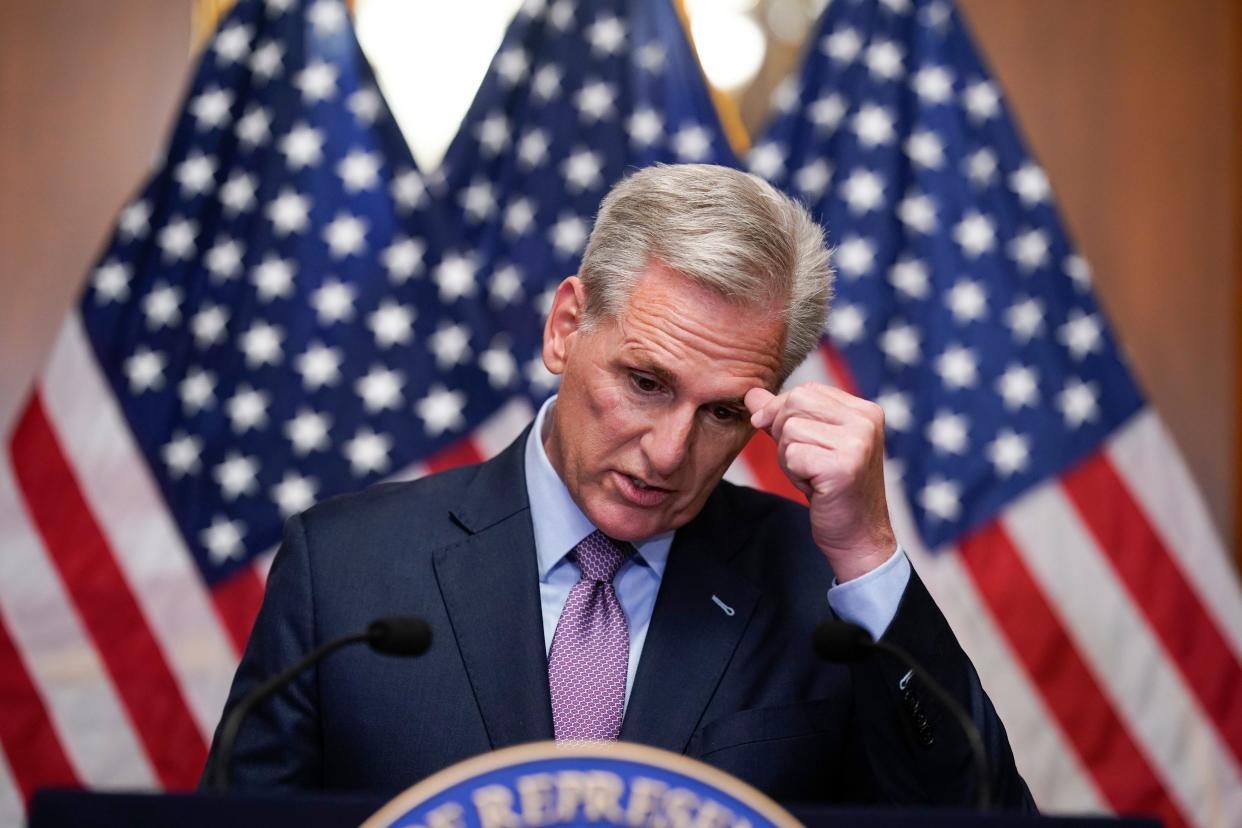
[(558, 522)]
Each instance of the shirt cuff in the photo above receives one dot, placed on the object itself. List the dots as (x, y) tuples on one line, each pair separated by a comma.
[(871, 600)]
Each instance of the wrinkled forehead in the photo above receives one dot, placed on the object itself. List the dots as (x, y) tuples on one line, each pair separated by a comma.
[(681, 328)]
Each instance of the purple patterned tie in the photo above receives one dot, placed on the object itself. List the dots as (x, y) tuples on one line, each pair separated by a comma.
[(590, 652)]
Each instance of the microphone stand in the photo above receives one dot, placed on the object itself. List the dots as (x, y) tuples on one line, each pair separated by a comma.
[(232, 725)]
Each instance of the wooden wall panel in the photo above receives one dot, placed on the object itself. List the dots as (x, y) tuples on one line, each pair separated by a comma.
[(1132, 107), (87, 90)]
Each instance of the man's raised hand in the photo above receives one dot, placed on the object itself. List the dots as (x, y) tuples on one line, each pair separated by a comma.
[(830, 444)]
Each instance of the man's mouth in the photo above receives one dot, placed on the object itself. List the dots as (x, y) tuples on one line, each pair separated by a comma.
[(643, 484), (640, 492)]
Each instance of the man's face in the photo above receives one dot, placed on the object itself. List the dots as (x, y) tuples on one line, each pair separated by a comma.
[(650, 412)]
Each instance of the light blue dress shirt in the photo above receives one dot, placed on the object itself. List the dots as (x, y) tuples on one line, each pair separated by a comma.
[(870, 600)]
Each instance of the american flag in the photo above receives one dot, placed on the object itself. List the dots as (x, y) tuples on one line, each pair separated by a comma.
[(289, 309), (1040, 497)]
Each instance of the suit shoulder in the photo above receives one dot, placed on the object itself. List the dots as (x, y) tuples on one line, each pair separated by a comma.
[(384, 504)]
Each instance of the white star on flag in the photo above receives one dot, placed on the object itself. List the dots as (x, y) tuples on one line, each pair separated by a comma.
[(273, 278), (294, 493), (261, 344), (1018, 387), (289, 212), (236, 475), (380, 389), (403, 259), (224, 260), (302, 146), (308, 431), (211, 108), (247, 409), (255, 127), (208, 325), (111, 281), (145, 370), (367, 452), (1009, 453), (359, 171), (162, 306), (238, 194), (223, 539), (455, 276), (441, 410), (181, 454), (947, 433), (391, 324), (197, 390), (874, 126), (319, 366), (346, 235), (450, 344)]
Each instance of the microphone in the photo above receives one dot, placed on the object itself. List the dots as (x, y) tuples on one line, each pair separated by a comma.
[(398, 635), (842, 642)]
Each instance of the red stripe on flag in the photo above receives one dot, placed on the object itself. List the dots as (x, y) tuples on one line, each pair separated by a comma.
[(461, 453), (838, 368), (98, 588), (760, 457), (36, 757), (1053, 663), (237, 599), (1191, 637)]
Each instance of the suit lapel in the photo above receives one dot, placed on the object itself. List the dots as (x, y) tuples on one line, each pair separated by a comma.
[(691, 637), (490, 585)]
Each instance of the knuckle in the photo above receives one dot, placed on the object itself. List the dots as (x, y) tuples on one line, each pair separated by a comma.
[(796, 429), (794, 454), (873, 412), (801, 395)]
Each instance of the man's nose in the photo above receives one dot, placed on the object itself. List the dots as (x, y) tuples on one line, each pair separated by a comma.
[(667, 442)]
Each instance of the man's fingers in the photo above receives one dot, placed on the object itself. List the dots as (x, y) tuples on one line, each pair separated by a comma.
[(837, 408), (808, 465), (763, 405), (798, 429), (809, 398), (824, 416), (756, 398)]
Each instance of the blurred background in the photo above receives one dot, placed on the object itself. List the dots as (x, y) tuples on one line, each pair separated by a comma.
[(1132, 106), (1099, 606)]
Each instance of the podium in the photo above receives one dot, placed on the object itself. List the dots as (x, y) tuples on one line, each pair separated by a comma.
[(541, 785), (84, 809)]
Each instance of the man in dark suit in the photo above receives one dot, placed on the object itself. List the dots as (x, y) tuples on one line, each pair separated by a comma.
[(597, 579)]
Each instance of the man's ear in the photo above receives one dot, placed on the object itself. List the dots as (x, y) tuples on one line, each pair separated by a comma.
[(564, 320)]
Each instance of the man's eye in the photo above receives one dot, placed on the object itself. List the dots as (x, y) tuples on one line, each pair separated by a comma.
[(645, 383), (725, 414)]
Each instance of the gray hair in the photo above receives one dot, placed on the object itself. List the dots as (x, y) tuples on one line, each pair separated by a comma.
[(726, 230)]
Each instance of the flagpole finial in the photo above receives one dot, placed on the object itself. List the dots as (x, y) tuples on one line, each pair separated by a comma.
[(205, 16), (726, 107)]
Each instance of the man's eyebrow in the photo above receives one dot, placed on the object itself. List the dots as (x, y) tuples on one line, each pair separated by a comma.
[(658, 371)]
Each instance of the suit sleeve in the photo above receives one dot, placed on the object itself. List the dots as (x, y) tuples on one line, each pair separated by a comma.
[(915, 749), (279, 745)]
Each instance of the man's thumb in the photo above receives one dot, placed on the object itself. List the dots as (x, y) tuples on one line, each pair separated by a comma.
[(756, 399)]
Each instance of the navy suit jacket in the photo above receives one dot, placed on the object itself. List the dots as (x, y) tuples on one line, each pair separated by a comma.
[(742, 691)]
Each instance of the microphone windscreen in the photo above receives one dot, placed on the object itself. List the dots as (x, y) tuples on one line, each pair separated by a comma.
[(401, 635), (839, 641)]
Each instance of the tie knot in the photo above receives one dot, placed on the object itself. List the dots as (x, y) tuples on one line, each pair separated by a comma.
[(600, 556)]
